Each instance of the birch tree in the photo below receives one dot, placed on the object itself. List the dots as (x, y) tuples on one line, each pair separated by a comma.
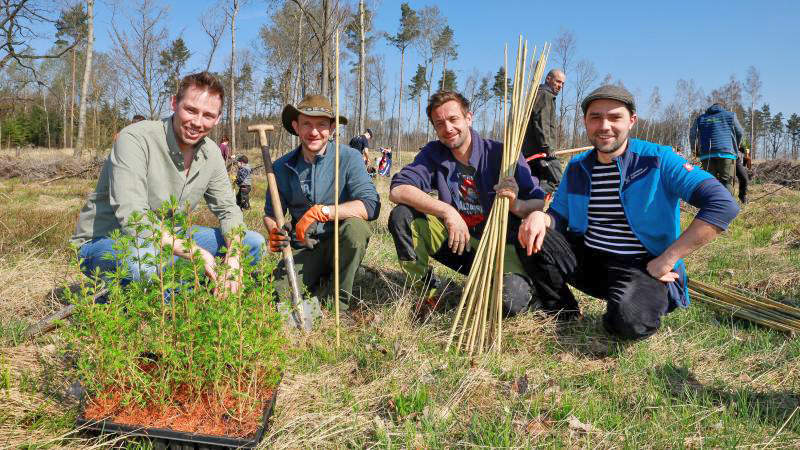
[(232, 13), (752, 86), (87, 74), (406, 35), (137, 52), (213, 21)]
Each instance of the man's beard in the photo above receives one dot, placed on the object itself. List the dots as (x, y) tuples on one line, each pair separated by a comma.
[(458, 143), (611, 147)]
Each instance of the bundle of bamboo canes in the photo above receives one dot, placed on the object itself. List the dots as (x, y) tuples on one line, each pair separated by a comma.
[(480, 311), (748, 306)]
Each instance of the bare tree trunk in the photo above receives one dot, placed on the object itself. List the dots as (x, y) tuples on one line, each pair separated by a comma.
[(362, 71), (419, 111), (96, 140), (46, 116), (87, 75), (430, 83), (296, 93), (64, 128), (444, 71), (400, 108), (72, 101), (325, 68), (392, 129), (232, 117)]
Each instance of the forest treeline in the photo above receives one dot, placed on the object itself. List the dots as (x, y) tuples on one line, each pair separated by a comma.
[(71, 96)]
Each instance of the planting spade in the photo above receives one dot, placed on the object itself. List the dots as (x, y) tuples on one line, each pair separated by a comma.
[(303, 312)]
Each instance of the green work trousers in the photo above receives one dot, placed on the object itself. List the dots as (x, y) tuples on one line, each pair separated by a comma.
[(315, 263), (723, 169), (428, 236)]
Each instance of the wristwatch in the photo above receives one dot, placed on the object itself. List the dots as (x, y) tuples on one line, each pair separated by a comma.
[(327, 211)]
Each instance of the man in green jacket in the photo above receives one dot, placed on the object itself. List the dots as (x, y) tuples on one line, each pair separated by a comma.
[(542, 132), (153, 160), (305, 179)]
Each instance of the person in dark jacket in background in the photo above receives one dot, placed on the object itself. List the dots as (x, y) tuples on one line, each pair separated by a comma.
[(361, 143), (742, 164), (613, 229), (542, 132), (715, 138), (305, 180), (244, 181), (464, 169)]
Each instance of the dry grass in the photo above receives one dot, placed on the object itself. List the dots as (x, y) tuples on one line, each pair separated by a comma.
[(705, 380)]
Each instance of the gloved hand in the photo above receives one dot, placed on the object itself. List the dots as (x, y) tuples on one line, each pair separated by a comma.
[(279, 238), (312, 216)]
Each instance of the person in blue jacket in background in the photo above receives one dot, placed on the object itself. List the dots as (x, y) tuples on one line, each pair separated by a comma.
[(613, 229), (715, 137)]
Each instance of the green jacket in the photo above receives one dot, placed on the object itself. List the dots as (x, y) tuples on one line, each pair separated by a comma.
[(144, 169), (540, 136)]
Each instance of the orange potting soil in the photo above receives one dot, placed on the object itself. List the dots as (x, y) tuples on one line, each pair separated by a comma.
[(207, 413)]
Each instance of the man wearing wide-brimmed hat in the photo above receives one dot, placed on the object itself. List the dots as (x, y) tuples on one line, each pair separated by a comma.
[(305, 178)]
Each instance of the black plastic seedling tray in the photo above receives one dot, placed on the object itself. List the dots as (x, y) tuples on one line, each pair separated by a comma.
[(179, 439)]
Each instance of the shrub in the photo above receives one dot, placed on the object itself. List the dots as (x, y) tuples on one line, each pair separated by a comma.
[(172, 335)]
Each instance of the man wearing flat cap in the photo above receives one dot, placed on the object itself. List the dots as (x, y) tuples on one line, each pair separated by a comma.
[(305, 178), (613, 229)]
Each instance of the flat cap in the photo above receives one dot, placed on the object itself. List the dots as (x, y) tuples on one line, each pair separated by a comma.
[(610, 92)]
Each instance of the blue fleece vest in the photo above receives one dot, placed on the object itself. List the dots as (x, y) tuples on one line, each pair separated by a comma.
[(653, 180)]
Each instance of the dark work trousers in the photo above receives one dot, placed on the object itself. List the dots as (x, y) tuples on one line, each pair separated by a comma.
[(548, 170), (635, 300), (243, 197), (743, 179)]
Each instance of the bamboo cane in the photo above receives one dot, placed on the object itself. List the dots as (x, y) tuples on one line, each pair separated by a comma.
[(336, 204), (478, 319), (748, 306)]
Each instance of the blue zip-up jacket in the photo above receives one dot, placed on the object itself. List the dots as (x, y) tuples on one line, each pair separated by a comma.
[(653, 180), (716, 134), (354, 184), (435, 168)]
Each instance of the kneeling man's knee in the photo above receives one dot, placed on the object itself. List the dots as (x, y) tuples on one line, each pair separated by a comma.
[(516, 294), (632, 327), (255, 244), (400, 220), (355, 232)]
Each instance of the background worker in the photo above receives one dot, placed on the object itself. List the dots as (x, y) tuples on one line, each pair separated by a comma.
[(224, 148), (361, 143), (613, 228), (715, 137), (742, 164), (542, 133), (305, 180), (244, 181), (464, 169), (153, 160)]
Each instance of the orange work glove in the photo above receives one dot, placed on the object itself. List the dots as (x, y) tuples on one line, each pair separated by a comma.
[(279, 238), (314, 214)]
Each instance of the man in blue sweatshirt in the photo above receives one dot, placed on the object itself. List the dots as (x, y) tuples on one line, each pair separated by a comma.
[(715, 137), (464, 170), (613, 229)]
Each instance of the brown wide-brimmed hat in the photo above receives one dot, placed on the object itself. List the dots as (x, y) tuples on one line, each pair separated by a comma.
[(311, 105)]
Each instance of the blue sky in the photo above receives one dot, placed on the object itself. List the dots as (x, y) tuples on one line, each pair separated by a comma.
[(642, 43)]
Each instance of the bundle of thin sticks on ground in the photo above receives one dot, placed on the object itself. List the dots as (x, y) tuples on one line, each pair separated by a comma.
[(480, 311), (748, 306)]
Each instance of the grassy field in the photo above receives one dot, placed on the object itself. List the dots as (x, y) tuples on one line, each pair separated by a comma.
[(703, 381)]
